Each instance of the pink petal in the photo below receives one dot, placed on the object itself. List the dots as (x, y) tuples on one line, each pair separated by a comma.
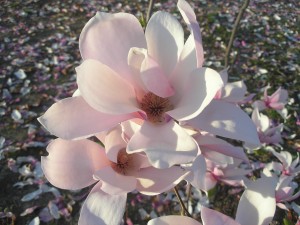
[(102, 209), (130, 127), (280, 95), (261, 121), (173, 220), (226, 120), (212, 217), (104, 90), (201, 88), (216, 157), (187, 60), (114, 143), (190, 18), (224, 75), (165, 144), (198, 172), (152, 181), (114, 183), (108, 39), (136, 57), (221, 146), (260, 105), (209, 182), (234, 92), (73, 118), (284, 193), (276, 105), (71, 164), (257, 204), (165, 39), (154, 78)]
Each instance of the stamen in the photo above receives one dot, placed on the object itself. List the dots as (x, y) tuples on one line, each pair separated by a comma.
[(155, 107), (123, 163)]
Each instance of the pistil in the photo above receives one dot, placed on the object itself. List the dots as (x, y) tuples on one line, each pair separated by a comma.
[(155, 107)]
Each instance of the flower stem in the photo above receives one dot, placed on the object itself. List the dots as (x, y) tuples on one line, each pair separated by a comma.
[(150, 8), (235, 27), (184, 211)]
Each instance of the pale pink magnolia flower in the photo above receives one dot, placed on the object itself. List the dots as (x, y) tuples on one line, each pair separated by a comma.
[(276, 101), (267, 133), (285, 188), (154, 75), (233, 92), (230, 174), (217, 152), (285, 191), (256, 207), (79, 163), (287, 165)]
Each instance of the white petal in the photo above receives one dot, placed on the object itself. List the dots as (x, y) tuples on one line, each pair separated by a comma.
[(165, 39), (257, 205), (226, 120), (165, 144), (102, 209)]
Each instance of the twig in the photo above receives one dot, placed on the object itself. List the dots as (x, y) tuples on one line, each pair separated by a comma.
[(150, 8), (235, 27), (188, 193), (184, 211)]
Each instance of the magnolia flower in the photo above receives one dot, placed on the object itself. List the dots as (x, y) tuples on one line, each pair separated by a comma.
[(287, 166), (230, 174), (256, 207), (285, 188), (155, 76), (267, 133), (276, 101), (79, 163), (285, 191), (233, 92)]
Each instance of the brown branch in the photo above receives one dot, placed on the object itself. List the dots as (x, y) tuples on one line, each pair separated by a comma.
[(184, 211), (150, 8), (235, 28)]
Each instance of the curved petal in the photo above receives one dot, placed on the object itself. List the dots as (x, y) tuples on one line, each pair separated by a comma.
[(152, 181), (114, 143), (257, 205), (201, 88), (260, 105), (73, 118), (101, 209), (136, 57), (235, 91), (198, 172), (165, 144), (154, 78), (71, 164), (104, 90), (108, 38), (261, 121), (221, 146), (212, 217), (226, 120), (114, 183), (187, 60), (174, 220), (165, 39), (190, 18)]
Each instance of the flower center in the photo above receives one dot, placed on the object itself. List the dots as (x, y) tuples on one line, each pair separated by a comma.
[(123, 165), (155, 107)]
